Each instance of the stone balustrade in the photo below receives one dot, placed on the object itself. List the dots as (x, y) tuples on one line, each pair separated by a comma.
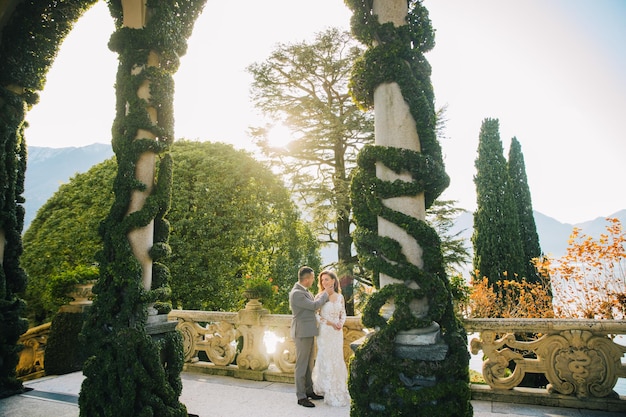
[(580, 359), (236, 343), (31, 361)]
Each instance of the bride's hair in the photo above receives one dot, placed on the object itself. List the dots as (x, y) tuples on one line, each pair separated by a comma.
[(331, 274)]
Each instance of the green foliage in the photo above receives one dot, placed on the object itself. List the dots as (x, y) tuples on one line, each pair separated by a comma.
[(64, 236), (131, 350), (305, 87), (523, 202), (12, 276), (62, 284), (65, 353), (381, 383), (441, 216), (461, 293), (260, 288), (498, 252), (31, 39), (229, 217)]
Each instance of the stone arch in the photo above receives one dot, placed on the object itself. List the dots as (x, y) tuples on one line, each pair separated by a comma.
[(31, 32)]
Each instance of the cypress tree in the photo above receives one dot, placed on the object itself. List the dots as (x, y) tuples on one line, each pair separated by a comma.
[(521, 196), (498, 252)]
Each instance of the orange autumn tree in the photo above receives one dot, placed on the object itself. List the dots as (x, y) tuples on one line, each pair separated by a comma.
[(511, 298), (589, 281)]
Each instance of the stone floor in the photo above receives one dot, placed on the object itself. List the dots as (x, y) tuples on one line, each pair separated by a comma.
[(219, 396)]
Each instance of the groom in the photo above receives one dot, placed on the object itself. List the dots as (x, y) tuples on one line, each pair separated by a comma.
[(303, 332)]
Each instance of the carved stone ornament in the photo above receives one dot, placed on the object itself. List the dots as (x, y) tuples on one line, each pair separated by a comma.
[(575, 362), (216, 340), (582, 363)]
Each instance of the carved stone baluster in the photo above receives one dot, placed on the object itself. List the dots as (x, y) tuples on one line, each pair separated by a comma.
[(191, 337), (352, 331), (253, 354), (219, 343), (285, 353)]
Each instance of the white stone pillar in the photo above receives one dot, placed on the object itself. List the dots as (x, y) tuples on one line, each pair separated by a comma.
[(394, 126), (142, 239)]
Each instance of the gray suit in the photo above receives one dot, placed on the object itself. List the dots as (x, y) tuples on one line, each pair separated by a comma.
[(303, 332)]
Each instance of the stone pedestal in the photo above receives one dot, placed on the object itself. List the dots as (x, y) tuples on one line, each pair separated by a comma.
[(253, 355), (157, 327), (422, 345)]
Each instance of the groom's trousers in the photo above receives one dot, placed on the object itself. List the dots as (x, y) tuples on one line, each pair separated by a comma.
[(304, 366)]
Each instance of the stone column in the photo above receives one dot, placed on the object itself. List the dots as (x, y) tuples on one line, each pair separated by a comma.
[(394, 126), (142, 239)]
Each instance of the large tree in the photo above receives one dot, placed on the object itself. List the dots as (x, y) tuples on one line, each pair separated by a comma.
[(230, 217), (305, 87), (523, 202), (441, 216), (498, 252)]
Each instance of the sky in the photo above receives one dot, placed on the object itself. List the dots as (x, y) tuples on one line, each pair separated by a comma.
[(552, 71)]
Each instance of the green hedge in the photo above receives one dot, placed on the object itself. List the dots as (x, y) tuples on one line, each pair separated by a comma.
[(65, 351)]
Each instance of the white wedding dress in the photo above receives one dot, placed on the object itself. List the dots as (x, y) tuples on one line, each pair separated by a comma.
[(330, 374)]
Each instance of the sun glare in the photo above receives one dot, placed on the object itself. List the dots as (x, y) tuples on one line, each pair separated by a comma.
[(279, 136)]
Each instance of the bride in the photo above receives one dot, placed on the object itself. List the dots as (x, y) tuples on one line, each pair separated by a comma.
[(330, 374)]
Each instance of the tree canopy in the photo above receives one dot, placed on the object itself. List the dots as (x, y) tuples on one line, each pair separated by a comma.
[(230, 218), (305, 87)]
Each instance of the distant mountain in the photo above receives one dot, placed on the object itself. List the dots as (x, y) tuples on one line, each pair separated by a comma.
[(48, 168), (553, 235)]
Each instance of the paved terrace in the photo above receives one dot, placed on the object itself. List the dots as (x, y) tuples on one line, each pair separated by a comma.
[(221, 396)]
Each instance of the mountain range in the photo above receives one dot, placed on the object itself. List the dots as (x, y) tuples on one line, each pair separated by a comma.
[(48, 168), (553, 235)]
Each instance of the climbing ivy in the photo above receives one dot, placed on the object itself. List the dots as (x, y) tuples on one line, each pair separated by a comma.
[(129, 372), (382, 384), (30, 41), (12, 276)]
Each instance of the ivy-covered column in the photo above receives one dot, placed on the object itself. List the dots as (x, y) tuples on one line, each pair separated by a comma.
[(141, 238), (12, 277), (416, 362), (31, 35), (134, 368)]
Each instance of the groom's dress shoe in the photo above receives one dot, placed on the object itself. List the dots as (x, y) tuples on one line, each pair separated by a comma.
[(305, 403), (314, 396)]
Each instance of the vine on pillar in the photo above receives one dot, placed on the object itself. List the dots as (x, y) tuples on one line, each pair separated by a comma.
[(128, 372), (382, 382), (12, 276), (31, 36)]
